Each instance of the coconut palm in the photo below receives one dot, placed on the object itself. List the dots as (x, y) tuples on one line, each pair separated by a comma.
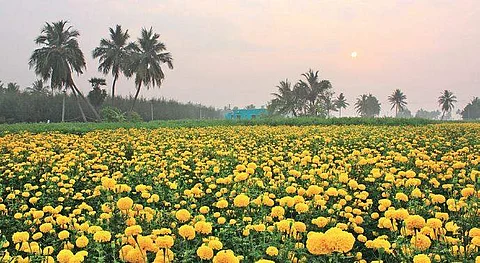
[(313, 90), (446, 102), (38, 87), (341, 103), (97, 95), (284, 101), (398, 101), (367, 105), (149, 54), (59, 56), (113, 54)]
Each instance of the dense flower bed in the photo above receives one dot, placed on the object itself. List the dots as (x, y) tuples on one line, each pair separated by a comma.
[(242, 194)]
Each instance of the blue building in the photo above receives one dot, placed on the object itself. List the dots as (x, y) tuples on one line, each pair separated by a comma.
[(245, 114)]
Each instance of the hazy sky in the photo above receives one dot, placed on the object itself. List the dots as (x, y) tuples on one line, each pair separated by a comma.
[(236, 51)]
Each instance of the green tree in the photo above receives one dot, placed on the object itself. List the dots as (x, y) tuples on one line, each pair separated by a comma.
[(341, 103), (113, 54), (398, 100), (149, 54), (97, 95), (424, 114), (314, 91), (38, 87), (59, 56), (472, 110), (446, 102), (285, 100), (12, 87), (367, 105)]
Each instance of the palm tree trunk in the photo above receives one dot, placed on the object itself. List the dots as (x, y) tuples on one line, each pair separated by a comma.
[(79, 106), (88, 102), (136, 95), (340, 111), (63, 105), (113, 88)]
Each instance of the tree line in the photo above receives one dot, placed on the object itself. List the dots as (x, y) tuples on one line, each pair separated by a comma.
[(59, 55), (312, 96), (41, 103)]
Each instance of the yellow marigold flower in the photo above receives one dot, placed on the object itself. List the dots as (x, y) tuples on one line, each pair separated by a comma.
[(272, 251), (215, 244), (81, 242), (414, 221), (164, 241), (241, 200), (320, 221), (187, 232), (421, 241), (205, 252), (146, 243), (225, 256), (222, 204), (163, 256), (64, 234), (123, 251), (124, 203), (277, 211), (317, 243), (183, 215), (434, 223), (401, 197), (102, 236), (469, 191), (476, 241), (421, 258), (474, 232), (203, 227), (20, 237), (301, 208), (264, 261), (135, 255), (133, 230), (64, 256)]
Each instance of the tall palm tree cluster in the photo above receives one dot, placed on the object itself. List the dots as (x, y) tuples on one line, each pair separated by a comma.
[(310, 96), (314, 97), (60, 55)]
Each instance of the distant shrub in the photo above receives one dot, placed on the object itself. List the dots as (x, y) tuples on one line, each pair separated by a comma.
[(112, 114), (133, 116)]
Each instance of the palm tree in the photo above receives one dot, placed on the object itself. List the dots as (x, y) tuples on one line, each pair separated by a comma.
[(446, 101), (367, 105), (59, 55), (113, 54), (97, 82), (314, 90), (38, 87), (149, 54), (341, 103), (398, 101), (97, 95), (12, 87), (284, 101)]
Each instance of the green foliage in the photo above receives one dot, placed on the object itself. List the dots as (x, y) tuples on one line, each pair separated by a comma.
[(134, 117), (112, 114), (430, 115), (310, 96), (472, 110), (275, 121), (367, 105)]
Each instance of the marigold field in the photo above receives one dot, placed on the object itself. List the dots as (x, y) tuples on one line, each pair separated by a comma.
[(242, 194)]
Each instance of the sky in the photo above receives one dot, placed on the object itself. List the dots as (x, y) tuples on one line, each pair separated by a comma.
[(235, 52)]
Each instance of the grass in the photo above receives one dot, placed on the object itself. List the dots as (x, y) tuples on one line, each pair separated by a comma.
[(79, 128)]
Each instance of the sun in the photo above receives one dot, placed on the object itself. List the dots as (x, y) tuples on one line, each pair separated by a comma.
[(354, 54)]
